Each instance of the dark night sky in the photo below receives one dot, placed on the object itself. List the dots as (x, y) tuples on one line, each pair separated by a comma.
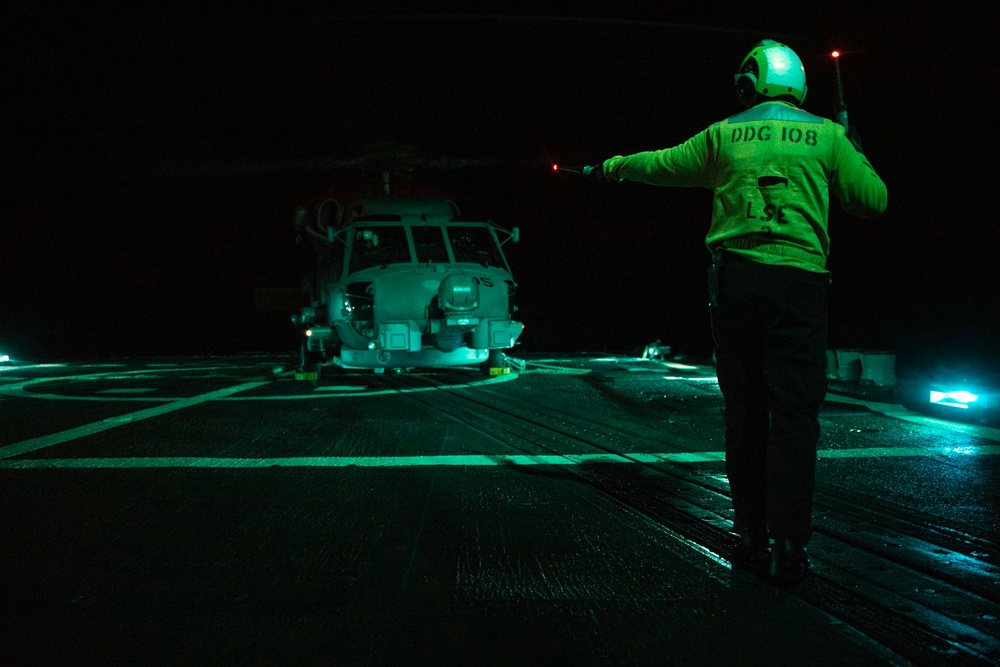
[(152, 161)]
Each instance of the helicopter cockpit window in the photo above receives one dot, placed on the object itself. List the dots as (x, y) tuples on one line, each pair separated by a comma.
[(378, 246), (474, 244), (429, 244)]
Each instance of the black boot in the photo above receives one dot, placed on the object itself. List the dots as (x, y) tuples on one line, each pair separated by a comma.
[(789, 562), (751, 551)]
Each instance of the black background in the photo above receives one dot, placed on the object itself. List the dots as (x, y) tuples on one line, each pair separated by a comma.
[(152, 161)]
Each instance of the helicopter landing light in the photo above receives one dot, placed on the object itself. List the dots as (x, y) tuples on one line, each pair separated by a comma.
[(318, 333)]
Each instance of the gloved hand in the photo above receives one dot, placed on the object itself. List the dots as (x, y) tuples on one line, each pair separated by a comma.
[(855, 139)]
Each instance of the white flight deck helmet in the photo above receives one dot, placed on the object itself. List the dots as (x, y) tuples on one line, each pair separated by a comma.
[(773, 71)]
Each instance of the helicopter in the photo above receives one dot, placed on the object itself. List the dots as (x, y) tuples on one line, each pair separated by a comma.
[(404, 283)]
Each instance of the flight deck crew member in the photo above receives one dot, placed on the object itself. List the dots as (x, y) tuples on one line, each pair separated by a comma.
[(772, 169)]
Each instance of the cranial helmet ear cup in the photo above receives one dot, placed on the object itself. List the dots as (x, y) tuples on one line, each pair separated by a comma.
[(746, 88)]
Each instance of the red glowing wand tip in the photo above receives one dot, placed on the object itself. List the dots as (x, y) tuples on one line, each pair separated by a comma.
[(835, 54)]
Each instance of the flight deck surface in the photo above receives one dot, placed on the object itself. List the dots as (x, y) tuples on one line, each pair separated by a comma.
[(219, 510)]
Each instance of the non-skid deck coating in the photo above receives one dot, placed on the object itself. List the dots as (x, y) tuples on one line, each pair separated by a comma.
[(218, 510)]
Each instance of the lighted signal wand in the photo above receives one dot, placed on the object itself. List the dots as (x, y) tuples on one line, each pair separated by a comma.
[(841, 108), (579, 171), (594, 173)]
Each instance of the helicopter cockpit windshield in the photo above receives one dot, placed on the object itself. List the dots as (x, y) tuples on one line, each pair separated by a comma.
[(475, 244), (381, 245), (429, 244), (378, 246)]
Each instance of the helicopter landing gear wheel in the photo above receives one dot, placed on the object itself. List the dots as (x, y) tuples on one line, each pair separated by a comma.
[(310, 361), (495, 364)]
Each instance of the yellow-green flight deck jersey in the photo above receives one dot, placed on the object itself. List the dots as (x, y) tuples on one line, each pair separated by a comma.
[(772, 169)]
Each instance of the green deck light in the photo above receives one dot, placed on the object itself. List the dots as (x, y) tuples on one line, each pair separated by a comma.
[(955, 399)]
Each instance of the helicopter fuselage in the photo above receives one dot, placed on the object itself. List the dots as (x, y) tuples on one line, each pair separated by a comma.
[(408, 283)]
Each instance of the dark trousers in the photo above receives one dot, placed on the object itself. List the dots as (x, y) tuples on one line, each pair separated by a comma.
[(770, 324)]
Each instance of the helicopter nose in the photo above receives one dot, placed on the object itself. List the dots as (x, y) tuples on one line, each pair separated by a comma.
[(458, 292)]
